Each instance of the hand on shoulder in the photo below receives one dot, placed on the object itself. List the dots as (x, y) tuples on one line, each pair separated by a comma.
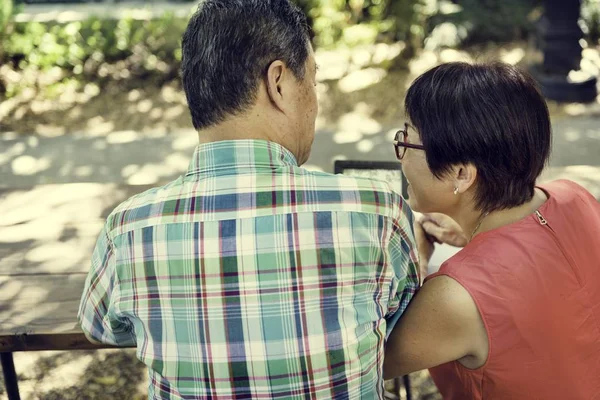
[(443, 228)]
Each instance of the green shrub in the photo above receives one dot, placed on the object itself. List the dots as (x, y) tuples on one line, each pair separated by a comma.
[(352, 22), (85, 48), (490, 20), (74, 45), (6, 10), (93, 49), (506, 20), (590, 14)]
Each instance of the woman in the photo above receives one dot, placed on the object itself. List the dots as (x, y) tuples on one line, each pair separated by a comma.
[(516, 313)]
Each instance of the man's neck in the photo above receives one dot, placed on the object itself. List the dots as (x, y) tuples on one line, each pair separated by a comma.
[(234, 129), (244, 128)]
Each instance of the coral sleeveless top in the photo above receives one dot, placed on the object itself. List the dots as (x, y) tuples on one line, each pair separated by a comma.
[(536, 284)]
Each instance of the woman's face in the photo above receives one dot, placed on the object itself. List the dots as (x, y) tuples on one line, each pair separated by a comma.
[(426, 192)]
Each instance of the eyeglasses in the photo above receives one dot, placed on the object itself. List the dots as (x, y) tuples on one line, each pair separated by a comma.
[(401, 143)]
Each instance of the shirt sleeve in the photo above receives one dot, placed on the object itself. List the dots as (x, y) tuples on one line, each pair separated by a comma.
[(403, 259), (97, 316)]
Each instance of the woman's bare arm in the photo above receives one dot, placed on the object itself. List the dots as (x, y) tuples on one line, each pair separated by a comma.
[(441, 324)]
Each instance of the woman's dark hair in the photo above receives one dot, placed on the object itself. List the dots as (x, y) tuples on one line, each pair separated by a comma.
[(227, 47), (490, 115)]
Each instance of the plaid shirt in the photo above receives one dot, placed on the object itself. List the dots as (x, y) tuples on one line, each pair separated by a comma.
[(250, 277)]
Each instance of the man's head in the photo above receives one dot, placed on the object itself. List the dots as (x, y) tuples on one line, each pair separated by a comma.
[(251, 61)]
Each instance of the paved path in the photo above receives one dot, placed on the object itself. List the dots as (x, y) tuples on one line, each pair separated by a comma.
[(136, 158)]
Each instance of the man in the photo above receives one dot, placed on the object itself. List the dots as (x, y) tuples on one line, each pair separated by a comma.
[(250, 277)]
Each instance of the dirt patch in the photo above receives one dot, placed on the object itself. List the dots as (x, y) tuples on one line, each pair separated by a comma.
[(53, 105), (137, 105), (156, 102), (118, 375)]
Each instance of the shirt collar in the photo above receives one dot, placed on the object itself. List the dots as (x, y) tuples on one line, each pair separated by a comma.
[(232, 156)]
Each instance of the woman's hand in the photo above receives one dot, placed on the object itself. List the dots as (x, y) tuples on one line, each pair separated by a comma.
[(443, 229)]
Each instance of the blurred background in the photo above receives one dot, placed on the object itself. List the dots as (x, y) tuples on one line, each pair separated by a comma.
[(92, 110), (101, 79)]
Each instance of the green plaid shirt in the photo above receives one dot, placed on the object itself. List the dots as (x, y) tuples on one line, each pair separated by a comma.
[(251, 277)]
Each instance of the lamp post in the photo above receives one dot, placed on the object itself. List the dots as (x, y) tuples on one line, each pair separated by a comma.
[(558, 36)]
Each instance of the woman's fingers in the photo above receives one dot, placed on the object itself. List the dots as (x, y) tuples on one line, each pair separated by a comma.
[(434, 230), (451, 235)]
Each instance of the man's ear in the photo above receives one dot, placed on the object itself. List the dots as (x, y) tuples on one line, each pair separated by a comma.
[(275, 78), (464, 176)]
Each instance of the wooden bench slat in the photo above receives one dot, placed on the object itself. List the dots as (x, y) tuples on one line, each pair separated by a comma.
[(66, 341), (47, 234), (40, 304), (39, 312)]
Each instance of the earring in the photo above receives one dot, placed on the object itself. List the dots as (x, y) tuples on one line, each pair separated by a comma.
[(455, 190)]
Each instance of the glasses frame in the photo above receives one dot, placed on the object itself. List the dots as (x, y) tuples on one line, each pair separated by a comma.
[(398, 144)]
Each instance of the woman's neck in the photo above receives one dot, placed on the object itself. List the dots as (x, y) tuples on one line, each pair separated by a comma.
[(497, 219)]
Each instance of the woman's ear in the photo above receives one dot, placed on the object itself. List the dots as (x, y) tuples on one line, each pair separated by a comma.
[(464, 176)]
